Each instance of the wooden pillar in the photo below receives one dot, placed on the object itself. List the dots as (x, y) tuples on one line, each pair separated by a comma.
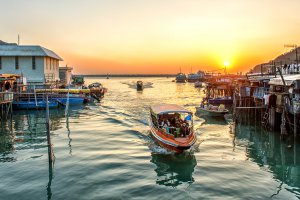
[(272, 118)]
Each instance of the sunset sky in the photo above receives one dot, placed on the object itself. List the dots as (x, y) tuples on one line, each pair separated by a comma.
[(155, 36)]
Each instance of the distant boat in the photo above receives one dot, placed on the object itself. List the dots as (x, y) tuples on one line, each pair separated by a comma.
[(179, 135), (198, 84), (180, 78), (193, 77), (139, 85), (213, 111)]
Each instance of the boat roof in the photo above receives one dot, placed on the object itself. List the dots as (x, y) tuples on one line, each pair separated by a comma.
[(288, 80), (168, 108)]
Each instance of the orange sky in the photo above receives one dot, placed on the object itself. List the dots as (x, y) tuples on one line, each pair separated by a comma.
[(133, 36)]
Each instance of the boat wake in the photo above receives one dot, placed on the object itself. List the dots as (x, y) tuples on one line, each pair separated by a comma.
[(133, 84)]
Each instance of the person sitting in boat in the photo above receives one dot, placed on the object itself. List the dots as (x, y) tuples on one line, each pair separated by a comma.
[(184, 130), (166, 125)]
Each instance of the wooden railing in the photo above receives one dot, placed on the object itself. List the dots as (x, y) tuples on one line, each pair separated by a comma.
[(6, 97)]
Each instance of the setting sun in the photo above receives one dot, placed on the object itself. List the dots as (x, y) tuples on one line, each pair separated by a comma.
[(226, 63)]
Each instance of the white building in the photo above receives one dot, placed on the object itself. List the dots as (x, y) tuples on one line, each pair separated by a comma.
[(36, 63), (65, 74)]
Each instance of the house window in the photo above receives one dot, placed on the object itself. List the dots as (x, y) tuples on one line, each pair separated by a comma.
[(0, 62), (33, 63), (17, 62), (50, 63)]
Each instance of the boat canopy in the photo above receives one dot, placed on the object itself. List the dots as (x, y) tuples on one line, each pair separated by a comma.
[(168, 108), (288, 80)]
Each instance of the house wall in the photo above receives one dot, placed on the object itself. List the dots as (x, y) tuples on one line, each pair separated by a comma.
[(25, 67), (51, 68), (65, 75)]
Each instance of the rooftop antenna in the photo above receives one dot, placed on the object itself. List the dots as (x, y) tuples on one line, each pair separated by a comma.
[(18, 39)]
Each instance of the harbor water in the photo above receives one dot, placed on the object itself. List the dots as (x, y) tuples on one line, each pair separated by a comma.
[(104, 151)]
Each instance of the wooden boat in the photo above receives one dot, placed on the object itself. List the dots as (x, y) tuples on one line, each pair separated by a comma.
[(179, 135), (139, 85), (211, 112)]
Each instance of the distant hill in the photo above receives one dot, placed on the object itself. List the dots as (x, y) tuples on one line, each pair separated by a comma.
[(286, 58)]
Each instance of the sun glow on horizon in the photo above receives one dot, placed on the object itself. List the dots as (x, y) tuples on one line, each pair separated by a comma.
[(127, 37), (226, 63)]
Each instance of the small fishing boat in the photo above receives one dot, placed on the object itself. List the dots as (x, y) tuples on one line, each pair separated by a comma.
[(139, 85), (172, 127), (213, 111)]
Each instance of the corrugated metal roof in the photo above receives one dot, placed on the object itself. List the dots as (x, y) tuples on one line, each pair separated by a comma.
[(26, 50), (288, 80), (167, 108)]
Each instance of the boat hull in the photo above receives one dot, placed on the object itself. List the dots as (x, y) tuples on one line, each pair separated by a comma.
[(192, 80), (180, 80), (212, 113), (73, 101), (168, 142), (33, 105), (139, 88)]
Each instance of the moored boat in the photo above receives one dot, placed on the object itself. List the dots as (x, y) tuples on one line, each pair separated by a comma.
[(193, 77), (180, 78), (213, 111), (172, 127)]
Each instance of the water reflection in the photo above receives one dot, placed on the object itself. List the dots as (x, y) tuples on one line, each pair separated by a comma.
[(272, 154), (50, 172), (27, 130), (174, 169), (212, 120)]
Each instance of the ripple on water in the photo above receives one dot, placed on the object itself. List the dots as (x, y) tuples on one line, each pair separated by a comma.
[(104, 151)]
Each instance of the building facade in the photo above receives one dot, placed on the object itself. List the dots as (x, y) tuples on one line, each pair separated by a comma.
[(65, 74), (36, 63)]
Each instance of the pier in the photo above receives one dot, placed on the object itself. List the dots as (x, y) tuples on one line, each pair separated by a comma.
[(6, 99), (270, 98)]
